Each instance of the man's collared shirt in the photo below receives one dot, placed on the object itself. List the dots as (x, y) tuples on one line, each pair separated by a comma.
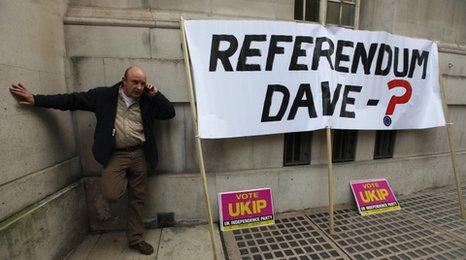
[(129, 130)]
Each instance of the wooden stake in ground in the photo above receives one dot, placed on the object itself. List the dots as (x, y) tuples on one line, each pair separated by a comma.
[(331, 223), (452, 147), (200, 157)]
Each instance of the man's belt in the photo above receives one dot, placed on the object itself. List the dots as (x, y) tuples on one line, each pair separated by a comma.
[(130, 149)]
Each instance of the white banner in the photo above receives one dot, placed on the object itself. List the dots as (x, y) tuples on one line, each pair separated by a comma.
[(266, 77)]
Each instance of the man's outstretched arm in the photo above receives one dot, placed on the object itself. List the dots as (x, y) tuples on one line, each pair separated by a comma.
[(73, 101)]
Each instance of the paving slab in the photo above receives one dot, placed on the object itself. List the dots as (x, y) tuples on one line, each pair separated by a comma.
[(188, 243), (113, 245)]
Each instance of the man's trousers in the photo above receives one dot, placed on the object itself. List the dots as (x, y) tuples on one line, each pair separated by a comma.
[(127, 169)]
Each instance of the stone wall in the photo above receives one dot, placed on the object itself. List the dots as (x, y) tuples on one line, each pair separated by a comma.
[(99, 39), (38, 148), (103, 38)]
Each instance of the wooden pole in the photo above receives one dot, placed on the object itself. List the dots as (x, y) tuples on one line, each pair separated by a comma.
[(331, 223), (452, 147), (200, 157)]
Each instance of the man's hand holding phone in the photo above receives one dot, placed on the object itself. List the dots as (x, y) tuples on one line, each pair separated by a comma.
[(151, 89)]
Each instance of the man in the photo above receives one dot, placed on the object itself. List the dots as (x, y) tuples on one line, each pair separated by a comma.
[(123, 138)]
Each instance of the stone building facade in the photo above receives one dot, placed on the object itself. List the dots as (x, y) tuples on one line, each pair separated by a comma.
[(49, 183)]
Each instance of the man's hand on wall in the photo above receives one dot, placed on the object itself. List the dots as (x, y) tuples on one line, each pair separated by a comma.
[(151, 89), (22, 94)]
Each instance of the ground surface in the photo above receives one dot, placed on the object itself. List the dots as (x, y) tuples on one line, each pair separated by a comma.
[(428, 226)]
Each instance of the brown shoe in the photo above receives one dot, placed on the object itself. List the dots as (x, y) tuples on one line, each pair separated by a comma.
[(143, 247)]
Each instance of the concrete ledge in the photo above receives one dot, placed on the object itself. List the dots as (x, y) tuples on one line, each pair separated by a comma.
[(293, 188), (98, 16), (20, 193), (48, 229)]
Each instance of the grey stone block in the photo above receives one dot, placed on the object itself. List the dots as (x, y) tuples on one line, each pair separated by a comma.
[(35, 35), (228, 154), (27, 190), (452, 64), (170, 139), (262, 9), (455, 90), (107, 41), (459, 125), (166, 43), (297, 189), (378, 15), (182, 194), (365, 145), (267, 151), (415, 19), (88, 73), (420, 142), (41, 138), (319, 147), (48, 229)]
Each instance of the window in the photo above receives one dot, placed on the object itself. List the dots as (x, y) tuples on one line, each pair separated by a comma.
[(297, 148), (384, 144), (297, 145), (344, 145), (311, 7), (339, 12)]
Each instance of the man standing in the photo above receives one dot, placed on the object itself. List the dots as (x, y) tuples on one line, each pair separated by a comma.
[(123, 139)]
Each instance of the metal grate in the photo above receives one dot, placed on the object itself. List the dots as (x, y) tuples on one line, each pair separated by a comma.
[(427, 227), (440, 209), (293, 236), (395, 235)]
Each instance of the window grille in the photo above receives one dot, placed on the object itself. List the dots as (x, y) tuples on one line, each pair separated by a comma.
[(297, 148), (384, 144), (344, 145)]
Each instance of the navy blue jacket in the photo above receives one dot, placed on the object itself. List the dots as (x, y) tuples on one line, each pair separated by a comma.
[(103, 102)]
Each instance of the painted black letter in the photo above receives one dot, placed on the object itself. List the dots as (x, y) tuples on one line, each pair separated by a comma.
[(268, 102), (304, 89), (318, 52), (340, 56), (329, 107), (246, 51), (348, 100), (405, 62), (420, 59), (216, 54), (378, 69), (274, 49), (299, 52), (366, 59)]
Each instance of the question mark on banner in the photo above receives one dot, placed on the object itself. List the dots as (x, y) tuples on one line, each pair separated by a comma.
[(396, 100)]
